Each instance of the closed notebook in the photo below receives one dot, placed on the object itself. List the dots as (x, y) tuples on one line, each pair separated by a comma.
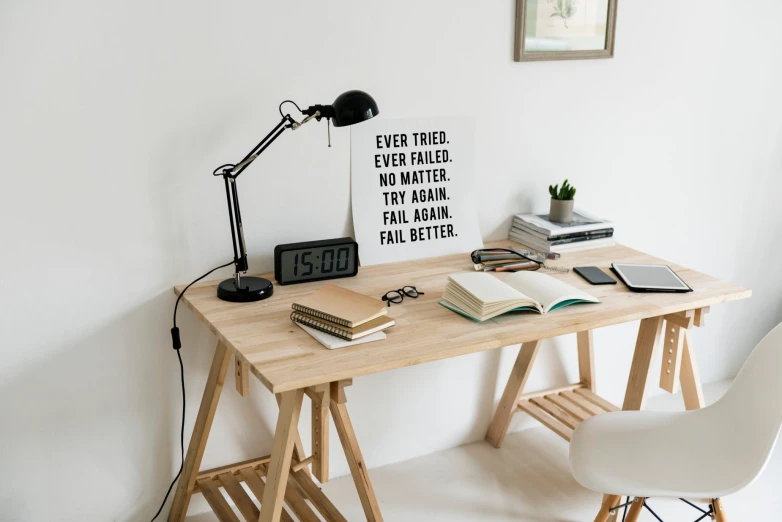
[(343, 332), (481, 296), (341, 306)]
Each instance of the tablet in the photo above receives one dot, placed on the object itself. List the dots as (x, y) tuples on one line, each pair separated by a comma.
[(650, 278)]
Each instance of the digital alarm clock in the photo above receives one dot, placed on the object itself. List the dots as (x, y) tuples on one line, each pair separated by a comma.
[(315, 260)]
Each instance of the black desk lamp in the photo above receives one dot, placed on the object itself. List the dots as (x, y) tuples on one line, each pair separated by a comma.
[(349, 108)]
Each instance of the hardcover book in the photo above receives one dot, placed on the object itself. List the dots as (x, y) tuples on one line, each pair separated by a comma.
[(582, 222)]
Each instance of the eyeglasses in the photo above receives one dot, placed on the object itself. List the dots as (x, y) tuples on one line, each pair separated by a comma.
[(495, 254), (396, 296), (489, 254)]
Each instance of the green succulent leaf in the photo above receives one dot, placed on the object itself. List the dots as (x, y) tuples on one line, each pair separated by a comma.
[(565, 192)]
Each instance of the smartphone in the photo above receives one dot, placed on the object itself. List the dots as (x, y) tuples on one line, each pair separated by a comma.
[(594, 275)]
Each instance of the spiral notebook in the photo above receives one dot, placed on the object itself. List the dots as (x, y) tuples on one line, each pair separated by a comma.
[(341, 306), (343, 332)]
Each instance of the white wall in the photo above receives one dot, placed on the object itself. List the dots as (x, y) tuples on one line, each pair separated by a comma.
[(115, 113)]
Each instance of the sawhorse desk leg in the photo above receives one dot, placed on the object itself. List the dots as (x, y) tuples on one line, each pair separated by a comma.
[(285, 437), (268, 477), (510, 397), (285, 444), (349, 441), (203, 423)]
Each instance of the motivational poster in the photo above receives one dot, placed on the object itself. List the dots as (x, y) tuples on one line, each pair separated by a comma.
[(412, 189)]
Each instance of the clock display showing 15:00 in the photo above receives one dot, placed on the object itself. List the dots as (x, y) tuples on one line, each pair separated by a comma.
[(318, 262)]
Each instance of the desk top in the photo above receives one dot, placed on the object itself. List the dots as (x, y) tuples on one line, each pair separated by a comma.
[(284, 357)]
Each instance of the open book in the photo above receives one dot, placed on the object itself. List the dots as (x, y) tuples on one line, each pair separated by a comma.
[(481, 296)]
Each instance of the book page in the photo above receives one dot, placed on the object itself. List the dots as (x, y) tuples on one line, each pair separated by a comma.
[(487, 289), (548, 291), (482, 296)]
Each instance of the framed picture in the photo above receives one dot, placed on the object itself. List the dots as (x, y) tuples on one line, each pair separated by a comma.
[(564, 29)]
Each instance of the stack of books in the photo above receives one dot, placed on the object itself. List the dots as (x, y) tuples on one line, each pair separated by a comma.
[(338, 317), (583, 233)]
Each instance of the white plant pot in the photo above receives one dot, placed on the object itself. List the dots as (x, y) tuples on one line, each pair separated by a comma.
[(561, 211)]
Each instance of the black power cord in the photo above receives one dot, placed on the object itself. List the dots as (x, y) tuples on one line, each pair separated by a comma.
[(177, 344)]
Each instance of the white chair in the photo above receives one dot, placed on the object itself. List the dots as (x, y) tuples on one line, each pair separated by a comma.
[(702, 454)]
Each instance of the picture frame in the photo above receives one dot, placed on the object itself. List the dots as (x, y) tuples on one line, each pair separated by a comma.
[(564, 29)]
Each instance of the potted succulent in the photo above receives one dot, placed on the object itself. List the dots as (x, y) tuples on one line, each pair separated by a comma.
[(561, 210)]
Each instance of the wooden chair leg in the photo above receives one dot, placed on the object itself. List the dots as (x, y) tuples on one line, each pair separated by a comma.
[(510, 397), (350, 445), (719, 510), (609, 501), (282, 452), (203, 423), (635, 509)]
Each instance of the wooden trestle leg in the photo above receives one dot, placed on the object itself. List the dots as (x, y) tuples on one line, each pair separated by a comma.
[(287, 477), (282, 453), (352, 451), (320, 396), (510, 397), (203, 423)]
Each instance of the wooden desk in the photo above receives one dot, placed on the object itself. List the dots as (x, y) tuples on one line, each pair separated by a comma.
[(290, 363)]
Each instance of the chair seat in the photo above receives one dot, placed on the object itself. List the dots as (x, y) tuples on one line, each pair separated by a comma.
[(707, 453), (655, 454)]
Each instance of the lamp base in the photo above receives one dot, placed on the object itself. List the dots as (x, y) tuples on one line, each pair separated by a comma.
[(251, 289)]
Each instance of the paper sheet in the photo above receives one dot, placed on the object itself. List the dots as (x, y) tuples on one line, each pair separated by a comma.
[(412, 189)]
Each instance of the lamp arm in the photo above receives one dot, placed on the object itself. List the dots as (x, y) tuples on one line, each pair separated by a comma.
[(285, 123), (231, 172)]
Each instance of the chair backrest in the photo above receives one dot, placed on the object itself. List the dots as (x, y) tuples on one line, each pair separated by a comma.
[(751, 410)]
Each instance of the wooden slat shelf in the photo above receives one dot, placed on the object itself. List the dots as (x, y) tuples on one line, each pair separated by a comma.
[(563, 409), (221, 484)]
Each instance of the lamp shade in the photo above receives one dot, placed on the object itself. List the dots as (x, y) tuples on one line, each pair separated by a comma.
[(353, 107)]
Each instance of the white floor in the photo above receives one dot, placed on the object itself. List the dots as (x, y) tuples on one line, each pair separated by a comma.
[(528, 480)]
